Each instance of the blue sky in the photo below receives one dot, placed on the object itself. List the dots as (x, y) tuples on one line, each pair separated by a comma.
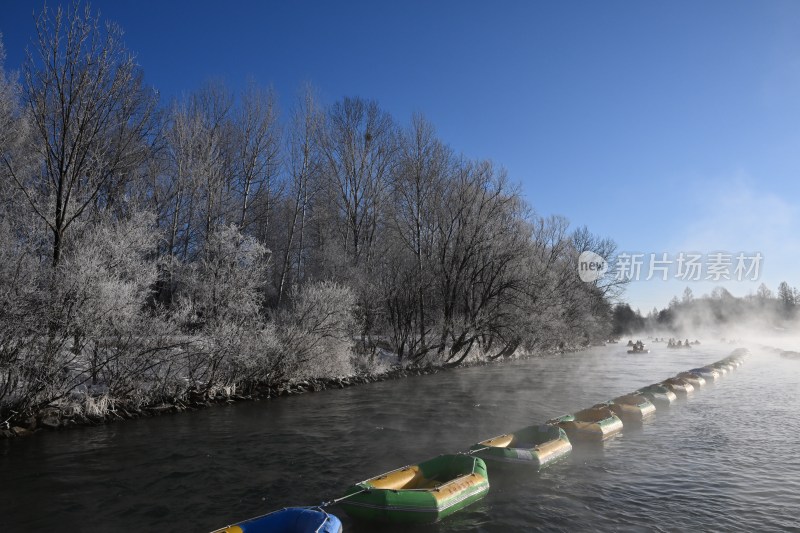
[(668, 126)]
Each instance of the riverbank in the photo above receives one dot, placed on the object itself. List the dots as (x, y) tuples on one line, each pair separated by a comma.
[(67, 415)]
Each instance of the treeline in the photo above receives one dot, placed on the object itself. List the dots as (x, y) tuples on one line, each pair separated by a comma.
[(221, 242), (765, 308)]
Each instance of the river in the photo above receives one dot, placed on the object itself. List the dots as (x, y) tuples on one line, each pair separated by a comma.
[(725, 459)]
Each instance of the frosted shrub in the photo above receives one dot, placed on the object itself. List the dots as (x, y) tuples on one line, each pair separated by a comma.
[(97, 406), (84, 316), (259, 354), (223, 293), (105, 280), (227, 285), (377, 361), (316, 332), (236, 353), (109, 276), (21, 314), (252, 354)]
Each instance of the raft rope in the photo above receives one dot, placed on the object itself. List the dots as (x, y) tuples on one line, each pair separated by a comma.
[(477, 450), (337, 500)]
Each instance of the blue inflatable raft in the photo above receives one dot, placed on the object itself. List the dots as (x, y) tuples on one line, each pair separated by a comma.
[(289, 520)]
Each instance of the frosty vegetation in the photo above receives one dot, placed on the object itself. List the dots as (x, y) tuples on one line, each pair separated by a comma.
[(209, 245), (720, 312)]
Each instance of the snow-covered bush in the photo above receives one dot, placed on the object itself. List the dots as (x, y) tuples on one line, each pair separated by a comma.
[(82, 322), (100, 290), (21, 316), (316, 331), (227, 284)]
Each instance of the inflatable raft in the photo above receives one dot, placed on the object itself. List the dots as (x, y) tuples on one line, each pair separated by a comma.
[(596, 423), (537, 446), (707, 372), (733, 360), (420, 493), (659, 395), (722, 367), (736, 362), (632, 407), (695, 379), (289, 520), (678, 385), (726, 363)]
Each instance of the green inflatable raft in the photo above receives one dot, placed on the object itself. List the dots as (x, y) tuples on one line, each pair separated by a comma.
[(420, 493), (678, 386), (596, 423), (728, 366), (632, 407), (721, 367), (658, 394), (537, 446), (695, 379)]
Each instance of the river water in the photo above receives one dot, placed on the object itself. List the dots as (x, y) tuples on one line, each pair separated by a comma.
[(724, 459)]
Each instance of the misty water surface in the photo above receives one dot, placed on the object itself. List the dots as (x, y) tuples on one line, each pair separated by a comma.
[(725, 459)]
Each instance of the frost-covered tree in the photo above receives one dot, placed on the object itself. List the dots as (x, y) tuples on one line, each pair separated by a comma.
[(256, 159), (303, 163), (84, 321), (90, 117), (423, 168), (358, 146), (107, 278), (786, 294), (316, 331), (480, 244), (688, 296), (12, 127), (206, 247), (763, 293), (227, 284), (220, 296)]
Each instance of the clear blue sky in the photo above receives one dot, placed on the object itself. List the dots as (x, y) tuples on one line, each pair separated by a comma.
[(668, 126)]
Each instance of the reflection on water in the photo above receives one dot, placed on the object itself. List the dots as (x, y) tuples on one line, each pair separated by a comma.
[(723, 459)]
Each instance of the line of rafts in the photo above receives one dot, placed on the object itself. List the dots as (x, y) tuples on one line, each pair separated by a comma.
[(428, 491), (787, 354)]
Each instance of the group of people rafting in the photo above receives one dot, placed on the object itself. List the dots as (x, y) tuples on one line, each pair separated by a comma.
[(637, 346), (672, 343), (679, 344)]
